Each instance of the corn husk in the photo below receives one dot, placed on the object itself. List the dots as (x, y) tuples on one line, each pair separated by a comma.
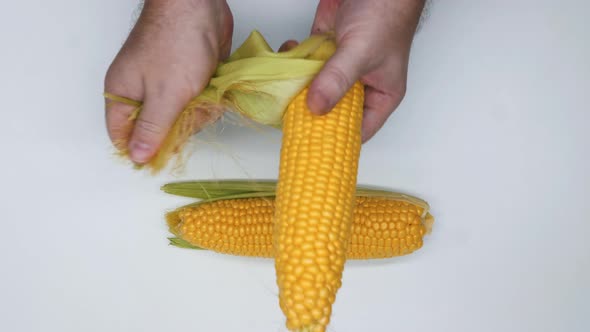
[(255, 82)]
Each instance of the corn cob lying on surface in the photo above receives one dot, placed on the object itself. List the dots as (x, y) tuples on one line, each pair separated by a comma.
[(236, 218)]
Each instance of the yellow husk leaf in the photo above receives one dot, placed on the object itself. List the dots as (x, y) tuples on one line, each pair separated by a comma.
[(255, 82)]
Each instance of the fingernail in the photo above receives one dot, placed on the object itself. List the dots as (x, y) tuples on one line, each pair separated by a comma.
[(140, 152)]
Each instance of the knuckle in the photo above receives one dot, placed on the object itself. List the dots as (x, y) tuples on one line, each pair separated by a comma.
[(183, 87), (116, 132), (190, 87), (124, 81), (339, 78), (399, 90), (111, 74), (148, 128), (117, 120)]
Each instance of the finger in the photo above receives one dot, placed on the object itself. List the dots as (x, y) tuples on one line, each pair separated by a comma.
[(121, 83), (378, 107), (289, 44), (119, 124), (336, 77), (160, 110), (227, 33), (325, 16)]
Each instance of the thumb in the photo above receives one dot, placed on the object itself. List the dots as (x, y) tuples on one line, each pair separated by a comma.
[(288, 45), (337, 76)]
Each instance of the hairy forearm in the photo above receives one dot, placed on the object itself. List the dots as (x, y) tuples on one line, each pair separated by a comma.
[(194, 10)]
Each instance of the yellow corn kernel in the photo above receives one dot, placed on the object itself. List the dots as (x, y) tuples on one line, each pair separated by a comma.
[(192, 225), (314, 205)]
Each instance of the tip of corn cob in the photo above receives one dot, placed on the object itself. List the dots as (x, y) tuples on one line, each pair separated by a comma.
[(173, 220), (428, 222)]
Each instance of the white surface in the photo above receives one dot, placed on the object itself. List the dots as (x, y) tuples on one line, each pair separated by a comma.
[(493, 133)]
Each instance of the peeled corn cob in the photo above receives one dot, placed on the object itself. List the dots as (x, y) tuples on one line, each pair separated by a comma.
[(382, 227), (314, 205)]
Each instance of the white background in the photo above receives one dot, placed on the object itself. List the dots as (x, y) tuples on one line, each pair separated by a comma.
[(493, 133)]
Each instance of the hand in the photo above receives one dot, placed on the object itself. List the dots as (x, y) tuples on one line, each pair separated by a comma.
[(373, 44), (168, 58)]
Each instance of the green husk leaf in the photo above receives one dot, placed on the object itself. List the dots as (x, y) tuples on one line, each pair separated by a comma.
[(234, 196), (180, 243), (259, 83), (212, 190), (256, 46), (368, 192)]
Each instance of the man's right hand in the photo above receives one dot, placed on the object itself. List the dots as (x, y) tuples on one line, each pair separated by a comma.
[(167, 59)]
